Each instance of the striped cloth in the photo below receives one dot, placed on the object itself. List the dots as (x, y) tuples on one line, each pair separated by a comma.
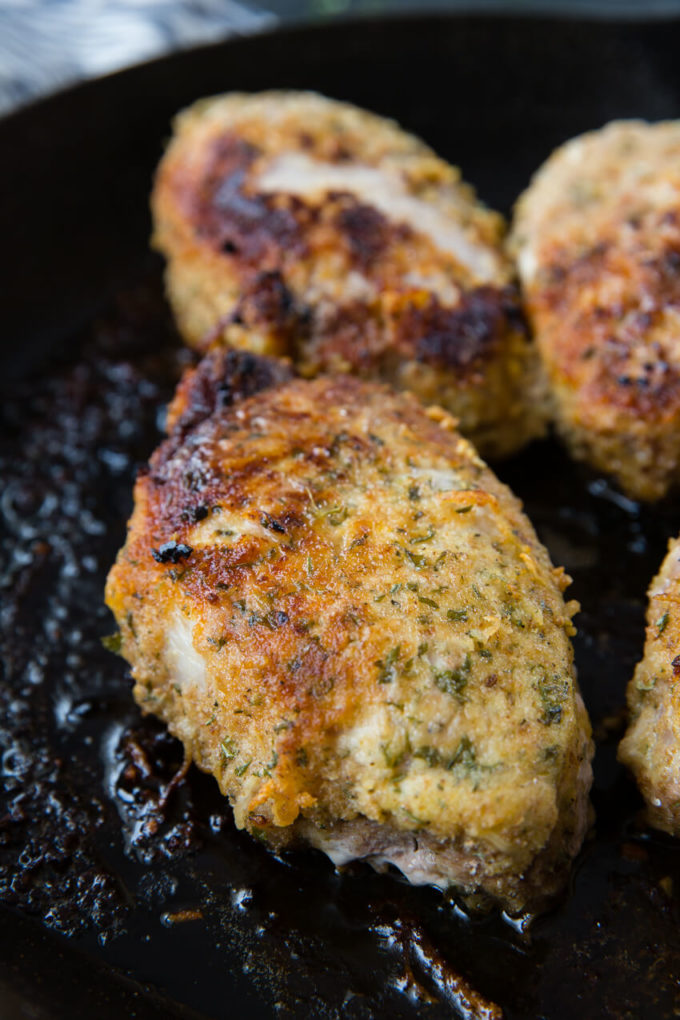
[(46, 44)]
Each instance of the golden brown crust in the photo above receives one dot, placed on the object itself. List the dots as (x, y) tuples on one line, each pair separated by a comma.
[(348, 619), (297, 225), (598, 241), (651, 747)]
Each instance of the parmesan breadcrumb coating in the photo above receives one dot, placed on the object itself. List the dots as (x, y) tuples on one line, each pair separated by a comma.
[(348, 621), (295, 225), (597, 239), (651, 746)]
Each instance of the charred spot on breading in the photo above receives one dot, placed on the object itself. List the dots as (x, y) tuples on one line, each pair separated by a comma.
[(171, 552), (304, 227), (459, 337), (364, 229), (343, 596), (222, 378), (229, 217), (267, 301), (463, 339)]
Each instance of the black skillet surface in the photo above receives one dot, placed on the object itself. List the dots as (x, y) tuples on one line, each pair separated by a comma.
[(128, 893)]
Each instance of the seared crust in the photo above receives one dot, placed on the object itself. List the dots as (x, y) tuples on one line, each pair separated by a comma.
[(597, 236), (297, 225), (225, 378), (651, 747), (349, 622)]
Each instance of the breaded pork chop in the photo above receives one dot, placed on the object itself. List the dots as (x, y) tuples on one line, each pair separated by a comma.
[(349, 622), (597, 238), (651, 746), (296, 225)]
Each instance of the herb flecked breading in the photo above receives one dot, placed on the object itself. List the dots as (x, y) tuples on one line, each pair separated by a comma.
[(296, 225), (365, 644)]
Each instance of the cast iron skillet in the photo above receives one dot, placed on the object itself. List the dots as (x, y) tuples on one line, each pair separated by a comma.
[(127, 891)]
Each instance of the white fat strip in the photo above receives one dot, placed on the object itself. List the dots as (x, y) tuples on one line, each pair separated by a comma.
[(297, 174), (185, 665)]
